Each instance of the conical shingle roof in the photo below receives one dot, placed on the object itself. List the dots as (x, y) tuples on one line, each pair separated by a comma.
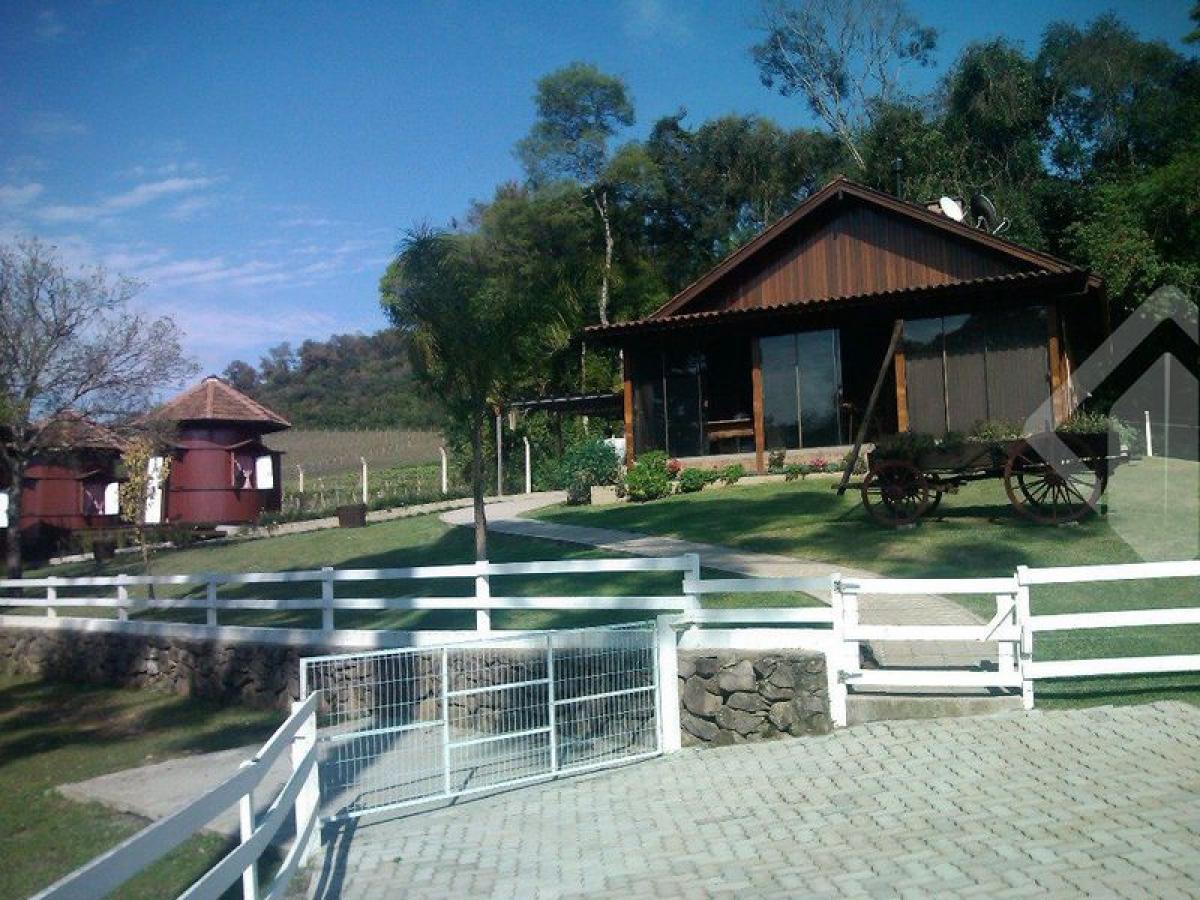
[(215, 399)]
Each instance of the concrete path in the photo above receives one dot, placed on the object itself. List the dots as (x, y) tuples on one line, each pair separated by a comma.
[(1097, 802), (507, 516), (157, 790)]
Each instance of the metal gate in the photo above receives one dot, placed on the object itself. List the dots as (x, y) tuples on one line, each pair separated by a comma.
[(402, 727)]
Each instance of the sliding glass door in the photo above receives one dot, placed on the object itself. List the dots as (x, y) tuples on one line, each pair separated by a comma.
[(802, 388)]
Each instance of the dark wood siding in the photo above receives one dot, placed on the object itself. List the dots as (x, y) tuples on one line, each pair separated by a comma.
[(858, 250)]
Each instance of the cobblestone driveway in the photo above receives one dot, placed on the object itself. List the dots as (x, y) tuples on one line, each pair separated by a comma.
[(1103, 801)]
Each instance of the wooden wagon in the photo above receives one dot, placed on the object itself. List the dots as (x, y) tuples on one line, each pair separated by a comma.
[(1051, 478)]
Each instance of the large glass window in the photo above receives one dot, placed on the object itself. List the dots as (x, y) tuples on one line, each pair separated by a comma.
[(693, 401), (802, 387), (966, 368)]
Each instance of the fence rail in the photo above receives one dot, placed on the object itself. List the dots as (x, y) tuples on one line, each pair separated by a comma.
[(836, 630), (297, 798)]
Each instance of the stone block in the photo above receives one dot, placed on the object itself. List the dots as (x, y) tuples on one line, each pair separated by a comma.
[(738, 677), (747, 701), (697, 700), (699, 728), (739, 721)]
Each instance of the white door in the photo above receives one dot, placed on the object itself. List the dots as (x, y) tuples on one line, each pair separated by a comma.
[(154, 491), (264, 473)]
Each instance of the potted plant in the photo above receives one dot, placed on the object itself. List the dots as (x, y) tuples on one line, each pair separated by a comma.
[(352, 515)]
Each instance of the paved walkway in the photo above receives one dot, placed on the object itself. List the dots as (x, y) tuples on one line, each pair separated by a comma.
[(159, 789), (1097, 802), (507, 516)]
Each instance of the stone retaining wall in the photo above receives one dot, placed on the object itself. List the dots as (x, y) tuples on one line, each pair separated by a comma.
[(260, 675), (727, 696), (736, 697)]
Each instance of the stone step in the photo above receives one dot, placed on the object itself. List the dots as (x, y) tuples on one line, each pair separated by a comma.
[(881, 706)]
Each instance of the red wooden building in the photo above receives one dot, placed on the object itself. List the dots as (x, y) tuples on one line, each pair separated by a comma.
[(780, 345), (73, 485), (221, 471)]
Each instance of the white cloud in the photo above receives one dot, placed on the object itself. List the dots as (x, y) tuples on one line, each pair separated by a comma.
[(187, 209), (313, 222), (49, 26), (655, 20), (14, 195), (54, 125), (137, 196)]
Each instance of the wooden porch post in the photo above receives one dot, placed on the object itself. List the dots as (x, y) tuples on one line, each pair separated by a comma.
[(626, 368), (901, 390), (760, 428), (1060, 402)]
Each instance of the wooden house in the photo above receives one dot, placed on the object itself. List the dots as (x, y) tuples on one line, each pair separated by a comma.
[(780, 344), (221, 472), (73, 484)]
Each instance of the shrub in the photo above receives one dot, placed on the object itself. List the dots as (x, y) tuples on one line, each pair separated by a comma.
[(647, 479), (674, 467), (794, 471), (692, 480), (587, 464), (818, 463), (993, 431), (732, 473), (860, 464), (775, 460)]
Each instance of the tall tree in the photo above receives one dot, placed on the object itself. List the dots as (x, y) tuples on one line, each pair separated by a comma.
[(473, 327), (70, 343), (842, 56), (579, 111)]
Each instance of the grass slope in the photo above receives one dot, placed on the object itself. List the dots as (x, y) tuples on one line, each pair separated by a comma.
[(52, 734), (974, 534)]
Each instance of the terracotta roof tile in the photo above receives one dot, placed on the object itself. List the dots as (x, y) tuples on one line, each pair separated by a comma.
[(215, 399)]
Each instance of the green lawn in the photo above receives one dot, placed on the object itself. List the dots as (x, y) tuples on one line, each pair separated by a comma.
[(974, 534), (419, 541), (52, 734)]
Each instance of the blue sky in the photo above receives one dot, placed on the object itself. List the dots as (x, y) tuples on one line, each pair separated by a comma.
[(253, 163)]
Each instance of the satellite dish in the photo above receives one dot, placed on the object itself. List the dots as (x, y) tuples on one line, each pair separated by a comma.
[(951, 208), (985, 215)]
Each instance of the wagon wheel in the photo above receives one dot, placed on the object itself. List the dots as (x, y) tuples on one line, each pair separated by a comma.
[(895, 493), (935, 496), (1051, 495)]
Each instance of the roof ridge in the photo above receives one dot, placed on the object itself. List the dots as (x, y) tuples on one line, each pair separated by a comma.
[(833, 190)]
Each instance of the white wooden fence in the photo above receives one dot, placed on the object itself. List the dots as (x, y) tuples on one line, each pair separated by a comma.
[(297, 798), (836, 630)]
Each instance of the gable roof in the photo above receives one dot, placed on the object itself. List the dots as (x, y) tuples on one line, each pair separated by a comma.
[(215, 399), (836, 191)]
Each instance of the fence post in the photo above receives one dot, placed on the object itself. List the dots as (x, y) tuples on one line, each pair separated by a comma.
[(300, 472), (1024, 614), (1006, 651), (483, 591), (327, 598), (445, 481), (1149, 439), (363, 459), (528, 470), (446, 720), (691, 600), (499, 454), (51, 596), (122, 598), (552, 711), (833, 656), (667, 668), (309, 798), (246, 831), (210, 591)]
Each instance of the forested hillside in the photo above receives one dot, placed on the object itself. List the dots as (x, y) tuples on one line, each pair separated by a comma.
[(349, 381)]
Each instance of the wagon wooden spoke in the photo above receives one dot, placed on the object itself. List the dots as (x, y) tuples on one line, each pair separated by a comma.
[(895, 492), (1051, 493)]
